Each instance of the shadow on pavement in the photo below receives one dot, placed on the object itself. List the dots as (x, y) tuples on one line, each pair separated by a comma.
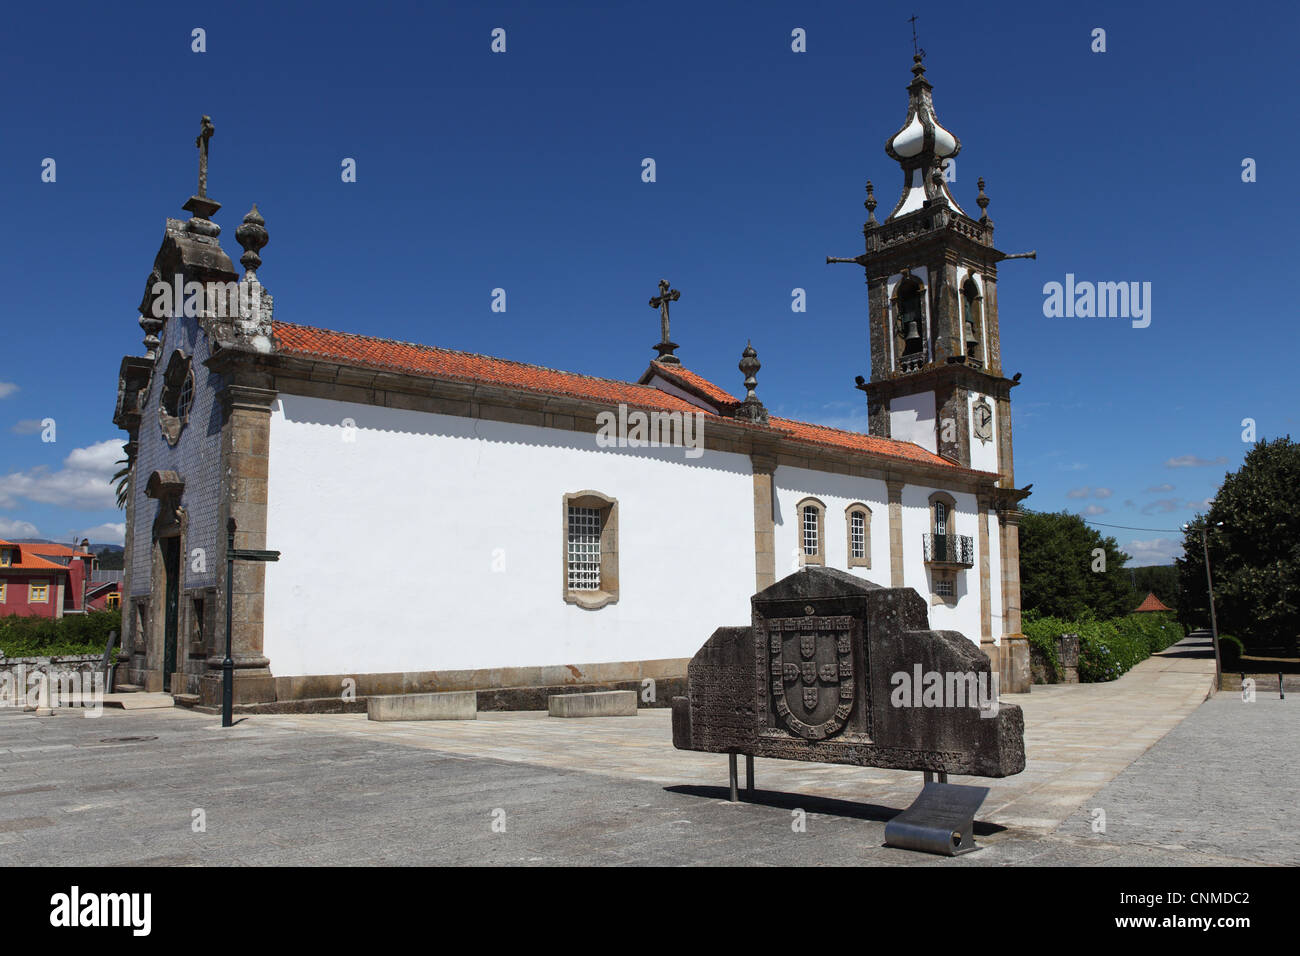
[(828, 806)]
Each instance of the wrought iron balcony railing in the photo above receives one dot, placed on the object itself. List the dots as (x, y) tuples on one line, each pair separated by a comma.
[(954, 549)]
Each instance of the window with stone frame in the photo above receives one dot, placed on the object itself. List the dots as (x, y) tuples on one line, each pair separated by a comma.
[(945, 545), (811, 531), (590, 523), (177, 397), (4, 590), (857, 522), (38, 592)]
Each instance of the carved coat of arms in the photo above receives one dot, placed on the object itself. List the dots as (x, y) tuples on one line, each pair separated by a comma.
[(811, 666)]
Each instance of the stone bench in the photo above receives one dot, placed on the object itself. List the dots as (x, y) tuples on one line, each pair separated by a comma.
[(454, 705), (610, 703)]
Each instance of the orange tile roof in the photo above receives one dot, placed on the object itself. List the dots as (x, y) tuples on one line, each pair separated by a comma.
[(837, 437), (28, 559), (386, 354), (698, 382), (1152, 603)]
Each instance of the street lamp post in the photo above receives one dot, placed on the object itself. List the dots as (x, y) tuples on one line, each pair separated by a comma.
[(228, 665), (1209, 590)]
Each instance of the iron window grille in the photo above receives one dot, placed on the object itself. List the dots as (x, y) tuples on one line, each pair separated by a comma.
[(810, 530), (584, 549)]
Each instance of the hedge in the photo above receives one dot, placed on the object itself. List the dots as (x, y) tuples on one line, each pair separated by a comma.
[(45, 637), (1107, 649)]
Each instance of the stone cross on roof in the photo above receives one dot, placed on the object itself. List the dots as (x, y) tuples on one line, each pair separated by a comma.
[(666, 345), (199, 205), (201, 141)]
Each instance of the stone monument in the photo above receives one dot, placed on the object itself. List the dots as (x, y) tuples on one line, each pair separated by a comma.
[(835, 669)]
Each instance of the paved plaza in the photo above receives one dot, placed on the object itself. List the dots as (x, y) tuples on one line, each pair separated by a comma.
[(1182, 781)]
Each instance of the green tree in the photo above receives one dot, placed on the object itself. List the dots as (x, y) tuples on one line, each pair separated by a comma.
[(1254, 555), (1057, 575)]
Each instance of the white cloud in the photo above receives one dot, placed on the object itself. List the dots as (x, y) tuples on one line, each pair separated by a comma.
[(7, 389), (12, 528), (1192, 461), (84, 482), (1155, 551), (28, 426), (1087, 491), (1092, 510), (1160, 489), (105, 534), (1163, 506)]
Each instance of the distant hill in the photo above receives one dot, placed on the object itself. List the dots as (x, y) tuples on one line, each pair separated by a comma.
[(94, 547)]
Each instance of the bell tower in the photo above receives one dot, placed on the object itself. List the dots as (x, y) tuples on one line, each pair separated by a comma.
[(931, 271)]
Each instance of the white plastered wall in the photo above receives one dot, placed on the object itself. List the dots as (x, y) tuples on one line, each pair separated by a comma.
[(836, 492), (434, 542)]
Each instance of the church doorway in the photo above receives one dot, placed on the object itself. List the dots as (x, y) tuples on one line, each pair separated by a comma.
[(171, 581)]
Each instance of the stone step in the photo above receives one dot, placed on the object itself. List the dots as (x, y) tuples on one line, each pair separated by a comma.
[(608, 703), (127, 688), (185, 700)]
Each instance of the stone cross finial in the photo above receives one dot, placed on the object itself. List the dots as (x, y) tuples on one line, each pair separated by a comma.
[(201, 141), (661, 301), (666, 345), (983, 202)]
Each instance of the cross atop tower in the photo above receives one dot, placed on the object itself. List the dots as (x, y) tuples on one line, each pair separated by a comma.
[(666, 345), (199, 205), (915, 49), (201, 141)]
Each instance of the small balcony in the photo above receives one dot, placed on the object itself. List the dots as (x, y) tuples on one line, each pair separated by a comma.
[(949, 550)]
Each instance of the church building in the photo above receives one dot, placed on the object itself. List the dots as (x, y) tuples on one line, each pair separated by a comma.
[(658, 503)]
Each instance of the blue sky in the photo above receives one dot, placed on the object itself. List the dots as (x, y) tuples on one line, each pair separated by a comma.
[(522, 171)]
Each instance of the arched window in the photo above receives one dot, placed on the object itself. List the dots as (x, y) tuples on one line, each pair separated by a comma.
[(973, 317), (909, 319), (811, 531), (857, 520), (946, 552)]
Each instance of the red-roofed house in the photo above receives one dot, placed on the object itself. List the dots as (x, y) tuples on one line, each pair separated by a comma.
[(412, 489), (47, 580)]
